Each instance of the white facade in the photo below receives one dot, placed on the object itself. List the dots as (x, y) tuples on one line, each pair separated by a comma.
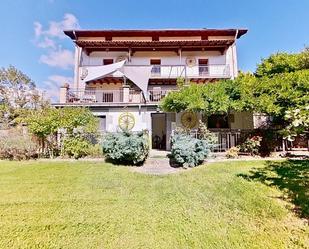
[(109, 96)]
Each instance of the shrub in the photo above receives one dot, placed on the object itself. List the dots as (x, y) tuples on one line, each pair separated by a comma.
[(17, 146), (76, 147), (251, 145), (46, 123), (189, 152), (232, 152), (126, 147), (95, 150)]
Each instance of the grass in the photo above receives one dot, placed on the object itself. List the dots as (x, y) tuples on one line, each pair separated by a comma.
[(98, 205)]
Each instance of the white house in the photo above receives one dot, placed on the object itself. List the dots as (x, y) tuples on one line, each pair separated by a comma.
[(121, 75)]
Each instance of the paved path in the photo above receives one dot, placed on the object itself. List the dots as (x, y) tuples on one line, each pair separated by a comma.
[(157, 166)]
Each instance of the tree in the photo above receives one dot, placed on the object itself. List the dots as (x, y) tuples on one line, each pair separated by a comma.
[(277, 94), (17, 91), (210, 98), (298, 123), (46, 123), (277, 63), (283, 63), (16, 88)]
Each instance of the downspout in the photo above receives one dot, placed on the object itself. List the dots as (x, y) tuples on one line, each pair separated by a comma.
[(75, 38), (77, 61), (233, 60)]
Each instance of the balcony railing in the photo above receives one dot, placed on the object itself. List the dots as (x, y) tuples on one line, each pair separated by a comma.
[(79, 96), (174, 71), (103, 96), (190, 72), (157, 95)]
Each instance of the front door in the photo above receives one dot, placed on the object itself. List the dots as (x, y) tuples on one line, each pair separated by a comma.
[(158, 128)]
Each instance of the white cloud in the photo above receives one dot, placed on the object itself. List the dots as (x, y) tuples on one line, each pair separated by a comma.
[(62, 58), (47, 43), (38, 29), (50, 39), (51, 86), (55, 29)]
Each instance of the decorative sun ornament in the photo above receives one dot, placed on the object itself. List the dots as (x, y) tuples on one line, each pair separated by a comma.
[(191, 61), (126, 121), (189, 120), (84, 74)]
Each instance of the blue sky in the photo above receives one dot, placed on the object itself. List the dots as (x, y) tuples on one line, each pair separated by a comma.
[(33, 42)]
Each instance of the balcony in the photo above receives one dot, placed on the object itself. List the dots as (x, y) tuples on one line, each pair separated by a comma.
[(122, 96), (175, 71), (212, 71)]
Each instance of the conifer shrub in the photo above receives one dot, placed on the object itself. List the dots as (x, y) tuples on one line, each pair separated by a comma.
[(126, 147), (191, 151), (187, 151)]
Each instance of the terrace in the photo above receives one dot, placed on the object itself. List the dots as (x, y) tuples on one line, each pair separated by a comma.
[(121, 96)]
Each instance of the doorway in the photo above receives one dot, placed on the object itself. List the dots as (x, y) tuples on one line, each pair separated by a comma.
[(158, 127)]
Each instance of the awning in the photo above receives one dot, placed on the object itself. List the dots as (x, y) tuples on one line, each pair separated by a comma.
[(139, 75), (97, 72)]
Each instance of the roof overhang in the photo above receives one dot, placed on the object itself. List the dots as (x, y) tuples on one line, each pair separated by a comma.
[(75, 34), (91, 46)]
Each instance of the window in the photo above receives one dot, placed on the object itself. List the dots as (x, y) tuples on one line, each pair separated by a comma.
[(218, 121), (102, 123), (156, 69), (108, 61), (203, 67)]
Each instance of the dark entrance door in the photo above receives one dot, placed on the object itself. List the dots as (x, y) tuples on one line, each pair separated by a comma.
[(158, 127)]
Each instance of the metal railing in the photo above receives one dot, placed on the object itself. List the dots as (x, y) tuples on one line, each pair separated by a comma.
[(198, 71), (226, 139), (103, 96), (157, 95), (183, 71), (113, 96)]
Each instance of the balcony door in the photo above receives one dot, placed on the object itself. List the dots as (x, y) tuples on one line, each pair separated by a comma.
[(203, 67), (156, 67)]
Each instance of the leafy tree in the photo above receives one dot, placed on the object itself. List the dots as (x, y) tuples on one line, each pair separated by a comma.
[(17, 89), (270, 95), (298, 122), (276, 95), (277, 63), (17, 92), (304, 59), (46, 123), (210, 98), (283, 63)]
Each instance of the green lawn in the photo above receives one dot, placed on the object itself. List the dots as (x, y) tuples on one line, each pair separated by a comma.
[(97, 205)]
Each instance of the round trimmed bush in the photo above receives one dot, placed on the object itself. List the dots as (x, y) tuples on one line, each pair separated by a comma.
[(126, 147)]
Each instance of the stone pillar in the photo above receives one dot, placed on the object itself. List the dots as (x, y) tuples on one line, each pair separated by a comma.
[(63, 93), (126, 93)]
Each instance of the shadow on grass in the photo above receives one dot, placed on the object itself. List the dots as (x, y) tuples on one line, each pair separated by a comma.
[(291, 177)]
